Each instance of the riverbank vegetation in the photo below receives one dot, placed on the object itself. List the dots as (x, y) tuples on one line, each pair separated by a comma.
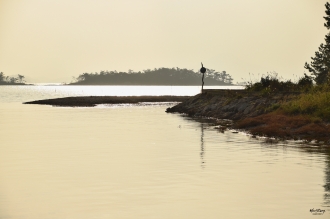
[(6, 80), (157, 76), (307, 116)]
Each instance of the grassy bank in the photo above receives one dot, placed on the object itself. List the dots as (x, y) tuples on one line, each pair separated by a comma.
[(306, 117), (315, 103)]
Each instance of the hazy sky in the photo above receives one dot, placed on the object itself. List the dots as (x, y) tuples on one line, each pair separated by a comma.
[(53, 40)]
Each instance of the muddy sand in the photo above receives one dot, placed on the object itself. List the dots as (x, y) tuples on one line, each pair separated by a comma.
[(90, 101)]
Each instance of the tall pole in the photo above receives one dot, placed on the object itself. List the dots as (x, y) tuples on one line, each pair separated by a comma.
[(203, 70), (202, 82)]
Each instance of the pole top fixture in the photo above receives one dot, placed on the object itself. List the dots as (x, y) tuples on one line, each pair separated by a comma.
[(203, 70)]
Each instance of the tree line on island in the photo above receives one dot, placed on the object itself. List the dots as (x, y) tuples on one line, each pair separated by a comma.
[(7, 80), (157, 76)]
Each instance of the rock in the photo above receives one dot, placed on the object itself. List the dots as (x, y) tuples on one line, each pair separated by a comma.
[(228, 104)]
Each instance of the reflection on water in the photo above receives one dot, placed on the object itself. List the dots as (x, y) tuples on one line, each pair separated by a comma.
[(202, 146), (327, 181), (140, 162), (324, 151)]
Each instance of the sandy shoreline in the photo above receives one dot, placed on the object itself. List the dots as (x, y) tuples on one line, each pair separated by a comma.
[(90, 101)]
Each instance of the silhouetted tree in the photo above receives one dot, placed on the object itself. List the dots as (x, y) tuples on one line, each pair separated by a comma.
[(6, 80), (21, 79), (320, 64)]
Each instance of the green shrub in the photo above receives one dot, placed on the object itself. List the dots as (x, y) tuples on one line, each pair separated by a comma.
[(315, 103), (271, 83), (305, 81)]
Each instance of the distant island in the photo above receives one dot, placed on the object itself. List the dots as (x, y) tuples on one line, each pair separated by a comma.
[(157, 76), (6, 80)]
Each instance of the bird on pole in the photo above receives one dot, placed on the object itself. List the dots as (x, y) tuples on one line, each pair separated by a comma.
[(202, 70)]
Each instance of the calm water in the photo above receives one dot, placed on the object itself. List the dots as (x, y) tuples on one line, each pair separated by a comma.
[(136, 161)]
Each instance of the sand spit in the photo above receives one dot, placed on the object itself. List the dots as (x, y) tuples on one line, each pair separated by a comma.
[(90, 101)]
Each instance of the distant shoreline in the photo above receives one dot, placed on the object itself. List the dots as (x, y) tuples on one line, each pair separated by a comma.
[(157, 76), (147, 85), (52, 84), (9, 84)]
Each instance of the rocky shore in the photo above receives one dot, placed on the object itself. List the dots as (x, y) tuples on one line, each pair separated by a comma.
[(90, 101), (255, 113), (230, 104)]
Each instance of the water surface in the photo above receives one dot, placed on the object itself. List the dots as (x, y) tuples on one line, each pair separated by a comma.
[(136, 161)]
